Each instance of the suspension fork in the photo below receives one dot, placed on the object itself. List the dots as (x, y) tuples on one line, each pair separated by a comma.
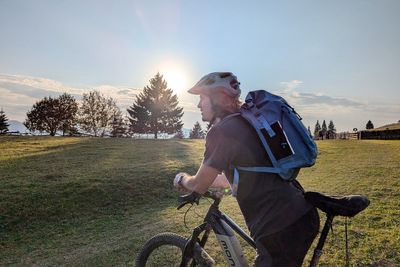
[(189, 246), (205, 236)]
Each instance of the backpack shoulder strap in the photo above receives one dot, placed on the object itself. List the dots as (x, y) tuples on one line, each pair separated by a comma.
[(258, 124)]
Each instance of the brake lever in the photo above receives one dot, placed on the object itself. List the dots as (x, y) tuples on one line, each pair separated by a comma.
[(190, 198), (182, 205)]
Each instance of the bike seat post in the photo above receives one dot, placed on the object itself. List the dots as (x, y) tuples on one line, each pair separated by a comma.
[(318, 250)]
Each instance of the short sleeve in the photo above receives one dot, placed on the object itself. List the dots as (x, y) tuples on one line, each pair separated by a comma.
[(219, 152)]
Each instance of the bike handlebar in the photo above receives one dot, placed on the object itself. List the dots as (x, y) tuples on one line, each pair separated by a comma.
[(194, 197)]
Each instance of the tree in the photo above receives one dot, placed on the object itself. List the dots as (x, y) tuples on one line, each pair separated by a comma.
[(52, 115), (331, 134), (156, 110), (68, 109), (317, 129), (309, 131), (331, 126), (196, 132), (324, 129), (369, 125), (118, 127), (179, 134), (97, 113), (43, 116), (3, 122)]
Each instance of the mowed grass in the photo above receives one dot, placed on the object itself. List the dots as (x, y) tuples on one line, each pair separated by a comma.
[(94, 202)]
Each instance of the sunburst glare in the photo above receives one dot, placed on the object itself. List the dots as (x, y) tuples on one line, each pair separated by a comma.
[(175, 75)]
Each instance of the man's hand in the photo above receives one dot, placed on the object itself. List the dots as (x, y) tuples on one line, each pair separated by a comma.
[(178, 181), (205, 178)]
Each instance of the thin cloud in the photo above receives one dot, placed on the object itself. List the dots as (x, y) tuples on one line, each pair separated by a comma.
[(318, 99), (345, 112), (32, 91), (38, 83), (189, 107), (18, 93), (293, 95)]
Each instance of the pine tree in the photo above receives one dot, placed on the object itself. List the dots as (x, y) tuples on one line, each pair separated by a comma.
[(309, 131), (331, 127), (324, 129), (331, 134), (317, 129), (179, 134), (118, 127), (369, 125), (156, 110), (3, 122), (196, 132)]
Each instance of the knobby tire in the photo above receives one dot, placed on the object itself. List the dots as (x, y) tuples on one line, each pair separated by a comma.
[(149, 257)]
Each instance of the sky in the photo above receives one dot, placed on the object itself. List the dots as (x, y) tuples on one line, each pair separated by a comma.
[(331, 60)]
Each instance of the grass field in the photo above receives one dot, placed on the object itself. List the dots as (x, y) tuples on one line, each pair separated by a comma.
[(94, 202)]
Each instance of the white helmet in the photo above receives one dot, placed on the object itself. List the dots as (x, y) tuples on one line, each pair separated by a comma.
[(214, 82)]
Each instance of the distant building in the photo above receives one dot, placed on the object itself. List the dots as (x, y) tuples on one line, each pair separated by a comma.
[(386, 132)]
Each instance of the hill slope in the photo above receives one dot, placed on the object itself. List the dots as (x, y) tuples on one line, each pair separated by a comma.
[(393, 126), (94, 202)]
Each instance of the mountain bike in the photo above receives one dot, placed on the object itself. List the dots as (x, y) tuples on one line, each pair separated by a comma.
[(170, 249)]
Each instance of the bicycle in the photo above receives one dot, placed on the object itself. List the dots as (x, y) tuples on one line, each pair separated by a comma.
[(190, 251)]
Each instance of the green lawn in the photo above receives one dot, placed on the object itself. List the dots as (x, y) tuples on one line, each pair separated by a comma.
[(94, 202)]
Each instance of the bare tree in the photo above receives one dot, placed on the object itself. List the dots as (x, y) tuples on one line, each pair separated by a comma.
[(97, 113)]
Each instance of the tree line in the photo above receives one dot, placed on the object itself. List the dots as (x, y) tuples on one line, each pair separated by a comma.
[(324, 132), (329, 132), (154, 111)]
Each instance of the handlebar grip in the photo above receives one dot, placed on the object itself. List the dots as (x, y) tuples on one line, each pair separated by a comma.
[(190, 198)]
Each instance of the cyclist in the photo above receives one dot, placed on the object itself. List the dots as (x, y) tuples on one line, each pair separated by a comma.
[(281, 222)]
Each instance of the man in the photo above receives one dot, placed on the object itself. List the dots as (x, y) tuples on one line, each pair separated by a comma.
[(280, 220)]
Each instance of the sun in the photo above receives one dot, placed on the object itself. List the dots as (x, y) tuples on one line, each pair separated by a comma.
[(176, 79)]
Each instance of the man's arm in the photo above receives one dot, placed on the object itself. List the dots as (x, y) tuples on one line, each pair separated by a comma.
[(205, 178)]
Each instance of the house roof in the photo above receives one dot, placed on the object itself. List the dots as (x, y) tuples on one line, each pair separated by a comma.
[(392, 126)]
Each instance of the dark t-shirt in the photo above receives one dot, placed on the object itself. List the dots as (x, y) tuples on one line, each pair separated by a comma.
[(268, 203)]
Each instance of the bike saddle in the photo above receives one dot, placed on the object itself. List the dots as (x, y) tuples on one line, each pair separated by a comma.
[(347, 206)]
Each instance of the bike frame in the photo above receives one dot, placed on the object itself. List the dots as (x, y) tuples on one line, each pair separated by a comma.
[(229, 243), (224, 228)]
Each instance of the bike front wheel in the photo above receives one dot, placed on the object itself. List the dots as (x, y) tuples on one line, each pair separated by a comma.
[(166, 250)]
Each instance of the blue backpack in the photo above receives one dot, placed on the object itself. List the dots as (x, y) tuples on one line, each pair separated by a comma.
[(285, 139)]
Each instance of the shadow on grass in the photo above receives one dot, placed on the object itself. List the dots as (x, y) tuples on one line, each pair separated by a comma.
[(90, 177), (86, 190)]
